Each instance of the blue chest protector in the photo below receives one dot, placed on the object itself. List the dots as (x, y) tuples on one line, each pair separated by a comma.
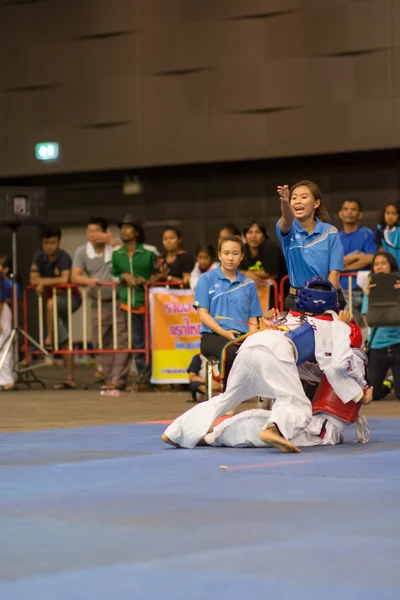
[(303, 341)]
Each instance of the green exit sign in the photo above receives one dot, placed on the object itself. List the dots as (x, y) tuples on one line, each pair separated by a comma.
[(47, 151)]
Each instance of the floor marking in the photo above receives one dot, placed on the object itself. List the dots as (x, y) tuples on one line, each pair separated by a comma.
[(272, 464), (166, 422), (169, 421)]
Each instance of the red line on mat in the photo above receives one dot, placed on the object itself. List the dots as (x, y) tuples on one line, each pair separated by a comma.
[(169, 421), (274, 464)]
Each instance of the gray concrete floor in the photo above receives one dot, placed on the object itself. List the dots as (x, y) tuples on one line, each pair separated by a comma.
[(26, 410)]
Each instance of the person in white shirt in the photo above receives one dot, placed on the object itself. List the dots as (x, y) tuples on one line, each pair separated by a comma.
[(90, 268), (206, 260)]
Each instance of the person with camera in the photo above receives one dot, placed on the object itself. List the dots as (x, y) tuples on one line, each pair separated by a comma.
[(383, 342)]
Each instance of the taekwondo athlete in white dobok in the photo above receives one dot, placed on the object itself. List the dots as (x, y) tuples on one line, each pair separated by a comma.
[(331, 416), (266, 365)]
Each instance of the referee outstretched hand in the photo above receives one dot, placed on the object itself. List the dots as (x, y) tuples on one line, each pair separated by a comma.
[(283, 192)]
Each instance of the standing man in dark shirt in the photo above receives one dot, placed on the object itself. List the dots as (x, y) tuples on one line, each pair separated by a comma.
[(359, 248), (51, 266)]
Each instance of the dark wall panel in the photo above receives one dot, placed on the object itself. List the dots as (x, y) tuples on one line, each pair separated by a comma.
[(136, 83)]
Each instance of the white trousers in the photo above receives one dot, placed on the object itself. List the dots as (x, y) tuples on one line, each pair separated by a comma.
[(243, 431), (255, 372), (7, 372)]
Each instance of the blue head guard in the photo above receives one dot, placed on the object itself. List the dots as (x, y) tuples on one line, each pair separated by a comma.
[(303, 342), (317, 301)]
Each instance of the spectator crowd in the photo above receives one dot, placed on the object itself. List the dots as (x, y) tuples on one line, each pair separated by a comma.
[(228, 279)]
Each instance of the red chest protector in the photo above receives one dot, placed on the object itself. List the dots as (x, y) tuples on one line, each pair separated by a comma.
[(325, 400)]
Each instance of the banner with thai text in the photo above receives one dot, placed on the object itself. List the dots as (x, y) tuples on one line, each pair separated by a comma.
[(175, 334)]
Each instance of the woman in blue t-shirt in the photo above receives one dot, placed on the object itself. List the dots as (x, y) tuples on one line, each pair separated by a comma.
[(384, 342), (311, 246), (388, 230), (227, 303)]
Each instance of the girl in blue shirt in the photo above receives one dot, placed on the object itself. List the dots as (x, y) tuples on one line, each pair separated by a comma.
[(312, 247), (384, 342), (388, 231), (225, 292)]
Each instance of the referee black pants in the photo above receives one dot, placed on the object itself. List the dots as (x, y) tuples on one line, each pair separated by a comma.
[(212, 344)]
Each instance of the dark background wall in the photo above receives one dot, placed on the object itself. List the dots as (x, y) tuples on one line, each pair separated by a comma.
[(201, 199), (224, 87), (133, 83)]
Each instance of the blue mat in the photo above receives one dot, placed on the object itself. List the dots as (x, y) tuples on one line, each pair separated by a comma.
[(112, 513)]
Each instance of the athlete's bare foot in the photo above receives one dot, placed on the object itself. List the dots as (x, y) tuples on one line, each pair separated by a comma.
[(272, 437), (166, 439)]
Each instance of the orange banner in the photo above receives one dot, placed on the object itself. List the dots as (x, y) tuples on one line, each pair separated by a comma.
[(175, 334)]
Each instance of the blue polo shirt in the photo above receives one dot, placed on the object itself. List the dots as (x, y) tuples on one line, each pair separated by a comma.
[(8, 285), (360, 240), (236, 299), (311, 254), (384, 336)]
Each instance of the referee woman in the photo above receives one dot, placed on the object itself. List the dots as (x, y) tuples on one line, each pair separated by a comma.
[(226, 292), (311, 246)]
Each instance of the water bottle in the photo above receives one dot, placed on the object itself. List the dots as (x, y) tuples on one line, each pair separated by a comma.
[(113, 393)]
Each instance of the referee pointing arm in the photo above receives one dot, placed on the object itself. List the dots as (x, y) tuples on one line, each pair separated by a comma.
[(311, 246)]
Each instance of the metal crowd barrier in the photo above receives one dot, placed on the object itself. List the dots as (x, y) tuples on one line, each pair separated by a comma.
[(350, 276), (168, 284), (265, 299), (84, 294), (282, 293)]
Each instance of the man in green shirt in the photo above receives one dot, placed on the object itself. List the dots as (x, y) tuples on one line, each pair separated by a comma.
[(132, 266)]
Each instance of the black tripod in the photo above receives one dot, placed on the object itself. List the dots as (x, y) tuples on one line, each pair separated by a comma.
[(25, 373)]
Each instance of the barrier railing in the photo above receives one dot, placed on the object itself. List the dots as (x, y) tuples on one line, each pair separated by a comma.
[(264, 293), (350, 276), (168, 284), (84, 294), (282, 292)]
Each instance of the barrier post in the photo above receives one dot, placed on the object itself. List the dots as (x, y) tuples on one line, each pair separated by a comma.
[(282, 293), (129, 318), (55, 319), (114, 318), (268, 295), (41, 324), (350, 292), (25, 312), (69, 317), (84, 318), (146, 325), (99, 320)]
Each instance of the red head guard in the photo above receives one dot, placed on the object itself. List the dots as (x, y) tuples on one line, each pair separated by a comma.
[(355, 335)]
